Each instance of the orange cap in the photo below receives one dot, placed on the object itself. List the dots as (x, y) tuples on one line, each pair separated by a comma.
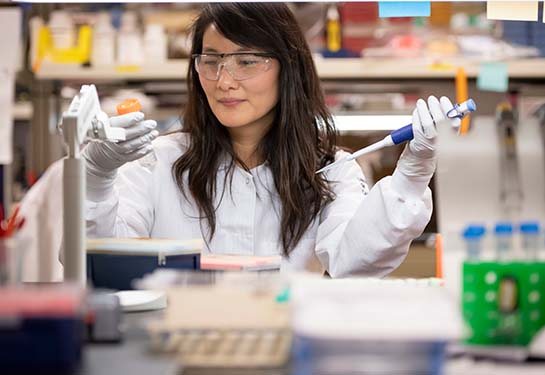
[(128, 105)]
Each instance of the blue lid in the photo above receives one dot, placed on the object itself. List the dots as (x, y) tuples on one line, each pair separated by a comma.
[(471, 106), (529, 227), (503, 228), (474, 231)]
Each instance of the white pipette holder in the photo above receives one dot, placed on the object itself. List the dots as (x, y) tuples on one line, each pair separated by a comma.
[(84, 118)]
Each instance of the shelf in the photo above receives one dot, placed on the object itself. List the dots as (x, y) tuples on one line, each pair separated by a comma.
[(173, 69), (327, 69), (418, 69)]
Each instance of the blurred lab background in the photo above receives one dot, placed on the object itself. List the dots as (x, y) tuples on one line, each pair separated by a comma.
[(369, 66)]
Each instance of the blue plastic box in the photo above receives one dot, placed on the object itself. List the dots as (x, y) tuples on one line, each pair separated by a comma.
[(115, 263)]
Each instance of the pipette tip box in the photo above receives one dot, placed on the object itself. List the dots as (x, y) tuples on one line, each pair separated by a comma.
[(115, 263)]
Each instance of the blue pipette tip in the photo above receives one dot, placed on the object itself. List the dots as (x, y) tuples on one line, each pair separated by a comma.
[(471, 106)]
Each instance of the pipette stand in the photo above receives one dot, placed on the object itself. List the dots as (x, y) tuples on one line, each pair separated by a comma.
[(73, 201), (83, 118)]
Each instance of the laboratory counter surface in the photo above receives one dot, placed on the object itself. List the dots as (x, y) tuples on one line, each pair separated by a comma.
[(130, 356), (330, 68), (133, 356)]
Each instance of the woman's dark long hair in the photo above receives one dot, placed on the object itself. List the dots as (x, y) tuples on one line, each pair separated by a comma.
[(301, 139)]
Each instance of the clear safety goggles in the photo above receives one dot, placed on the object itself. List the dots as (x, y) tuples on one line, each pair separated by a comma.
[(241, 65)]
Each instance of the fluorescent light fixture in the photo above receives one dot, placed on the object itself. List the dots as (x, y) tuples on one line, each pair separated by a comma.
[(351, 123)]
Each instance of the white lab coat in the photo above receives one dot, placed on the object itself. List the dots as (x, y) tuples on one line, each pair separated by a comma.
[(360, 232), (41, 236)]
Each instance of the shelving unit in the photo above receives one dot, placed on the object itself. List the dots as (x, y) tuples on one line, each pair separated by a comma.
[(360, 75), (351, 68)]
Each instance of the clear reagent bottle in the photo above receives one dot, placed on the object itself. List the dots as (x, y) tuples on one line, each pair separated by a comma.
[(473, 236)]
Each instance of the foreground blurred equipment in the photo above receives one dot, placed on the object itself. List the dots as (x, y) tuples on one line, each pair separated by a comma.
[(252, 330), (84, 118), (503, 307), (103, 317), (338, 331), (42, 329)]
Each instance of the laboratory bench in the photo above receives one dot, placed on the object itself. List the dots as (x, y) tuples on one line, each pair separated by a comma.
[(132, 356)]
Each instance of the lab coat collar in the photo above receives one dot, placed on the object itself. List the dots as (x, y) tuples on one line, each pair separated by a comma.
[(226, 161)]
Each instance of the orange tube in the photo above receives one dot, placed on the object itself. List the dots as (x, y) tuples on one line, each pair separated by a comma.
[(438, 256), (462, 94), (128, 105)]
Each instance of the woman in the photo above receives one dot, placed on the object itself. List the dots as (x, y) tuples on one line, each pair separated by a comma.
[(241, 174)]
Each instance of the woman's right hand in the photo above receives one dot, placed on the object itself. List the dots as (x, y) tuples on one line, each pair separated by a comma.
[(103, 157)]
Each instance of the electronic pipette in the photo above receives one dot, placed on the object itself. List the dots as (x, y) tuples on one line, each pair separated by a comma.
[(401, 135)]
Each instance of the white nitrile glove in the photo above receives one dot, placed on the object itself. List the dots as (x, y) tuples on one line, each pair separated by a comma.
[(103, 158), (417, 162)]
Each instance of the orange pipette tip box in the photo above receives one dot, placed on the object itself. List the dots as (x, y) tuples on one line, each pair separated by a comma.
[(128, 106)]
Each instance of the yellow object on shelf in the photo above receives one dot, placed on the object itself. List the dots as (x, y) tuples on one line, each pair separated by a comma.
[(127, 68), (441, 67), (333, 29), (78, 54)]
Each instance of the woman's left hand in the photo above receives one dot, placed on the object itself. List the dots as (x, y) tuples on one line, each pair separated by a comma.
[(426, 119)]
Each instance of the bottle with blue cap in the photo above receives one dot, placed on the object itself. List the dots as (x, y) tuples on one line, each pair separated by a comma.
[(530, 235), (473, 236), (503, 232)]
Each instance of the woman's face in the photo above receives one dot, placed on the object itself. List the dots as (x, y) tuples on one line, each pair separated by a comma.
[(243, 104)]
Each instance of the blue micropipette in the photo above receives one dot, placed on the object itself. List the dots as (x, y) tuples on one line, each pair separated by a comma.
[(402, 135)]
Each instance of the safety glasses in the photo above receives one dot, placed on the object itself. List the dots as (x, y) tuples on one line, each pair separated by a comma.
[(240, 65)]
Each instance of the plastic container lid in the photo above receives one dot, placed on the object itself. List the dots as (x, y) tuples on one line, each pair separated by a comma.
[(503, 228), (474, 231), (529, 227), (128, 105)]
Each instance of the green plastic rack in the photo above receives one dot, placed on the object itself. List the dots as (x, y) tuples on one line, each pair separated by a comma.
[(503, 302)]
